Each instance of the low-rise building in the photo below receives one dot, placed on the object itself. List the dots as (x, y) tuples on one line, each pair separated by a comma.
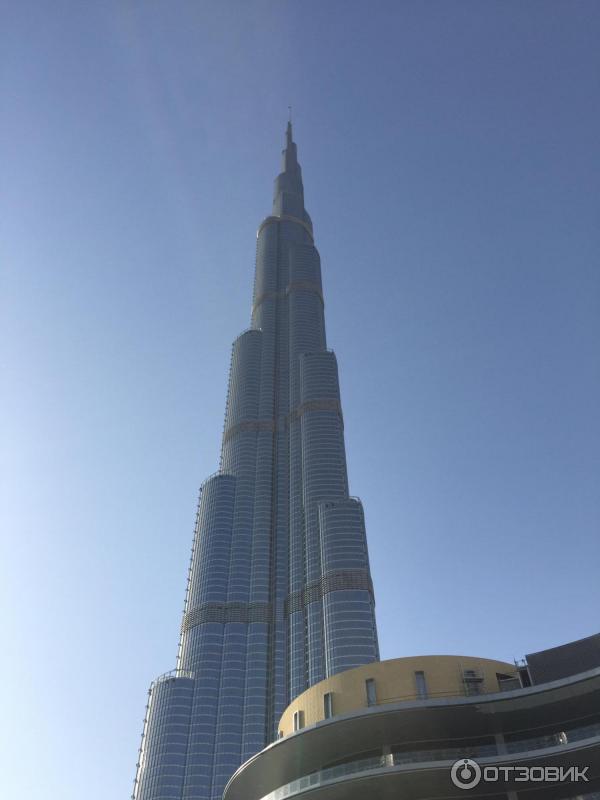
[(440, 727)]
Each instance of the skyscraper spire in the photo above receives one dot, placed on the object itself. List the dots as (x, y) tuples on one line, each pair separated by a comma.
[(290, 153), (279, 593)]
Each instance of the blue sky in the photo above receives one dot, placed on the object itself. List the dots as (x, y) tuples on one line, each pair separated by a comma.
[(450, 158)]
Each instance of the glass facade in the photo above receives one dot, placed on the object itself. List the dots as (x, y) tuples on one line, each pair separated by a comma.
[(279, 592)]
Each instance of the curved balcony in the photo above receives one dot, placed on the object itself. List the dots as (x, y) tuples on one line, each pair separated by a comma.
[(559, 743), (406, 749)]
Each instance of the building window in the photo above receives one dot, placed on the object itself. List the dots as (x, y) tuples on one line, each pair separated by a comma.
[(371, 693), (473, 681), (421, 684), (328, 705), (298, 720)]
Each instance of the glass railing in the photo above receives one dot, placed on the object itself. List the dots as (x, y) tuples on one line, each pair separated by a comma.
[(444, 754), (481, 690), (524, 744)]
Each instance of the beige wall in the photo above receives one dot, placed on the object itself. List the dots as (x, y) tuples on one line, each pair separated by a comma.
[(394, 682)]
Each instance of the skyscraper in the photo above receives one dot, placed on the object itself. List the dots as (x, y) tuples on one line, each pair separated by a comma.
[(279, 593)]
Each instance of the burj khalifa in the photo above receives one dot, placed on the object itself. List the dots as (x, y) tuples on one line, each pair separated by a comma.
[(279, 593)]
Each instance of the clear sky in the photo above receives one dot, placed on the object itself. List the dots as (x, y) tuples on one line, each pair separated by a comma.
[(450, 158)]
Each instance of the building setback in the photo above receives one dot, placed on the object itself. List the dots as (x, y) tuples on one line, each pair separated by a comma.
[(279, 594)]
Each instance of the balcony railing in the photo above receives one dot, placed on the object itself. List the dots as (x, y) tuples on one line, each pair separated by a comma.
[(584, 734)]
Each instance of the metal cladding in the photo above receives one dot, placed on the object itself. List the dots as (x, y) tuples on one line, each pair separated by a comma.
[(279, 593)]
